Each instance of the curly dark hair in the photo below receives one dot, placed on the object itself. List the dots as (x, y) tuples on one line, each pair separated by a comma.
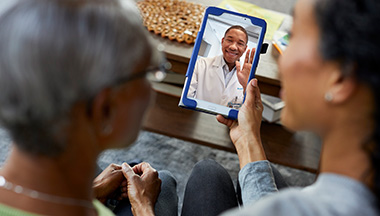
[(350, 31)]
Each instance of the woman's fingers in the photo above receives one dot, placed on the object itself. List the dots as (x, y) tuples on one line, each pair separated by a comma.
[(250, 98), (258, 102), (143, 187), (127, 171), (228, 122)]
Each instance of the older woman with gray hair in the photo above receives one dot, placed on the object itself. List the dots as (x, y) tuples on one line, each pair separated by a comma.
[(72, 77)]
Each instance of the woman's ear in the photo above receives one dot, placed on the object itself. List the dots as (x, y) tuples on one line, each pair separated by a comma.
[(102, 113), (340, 87)]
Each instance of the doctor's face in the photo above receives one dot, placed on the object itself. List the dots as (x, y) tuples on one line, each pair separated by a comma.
[(234, 45)]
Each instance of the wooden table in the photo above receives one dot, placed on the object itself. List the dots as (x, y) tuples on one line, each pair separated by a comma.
[(165, 117)]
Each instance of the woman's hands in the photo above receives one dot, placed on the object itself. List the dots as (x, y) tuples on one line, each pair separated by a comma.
[(110, 184), (143, 187), (245, 132), (139, 183)]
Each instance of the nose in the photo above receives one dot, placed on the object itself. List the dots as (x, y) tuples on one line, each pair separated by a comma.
[(233, 46)]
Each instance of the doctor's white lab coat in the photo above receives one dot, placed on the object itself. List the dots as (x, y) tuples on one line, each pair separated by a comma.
[(208, 83)]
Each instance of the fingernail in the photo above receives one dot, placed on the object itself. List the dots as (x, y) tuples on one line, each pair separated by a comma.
[(254, 82), (124, 166)]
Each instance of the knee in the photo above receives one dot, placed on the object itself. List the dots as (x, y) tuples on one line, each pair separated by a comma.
[(206, 166), (167, 202), (207, 179), (209, 169), (167, 178)]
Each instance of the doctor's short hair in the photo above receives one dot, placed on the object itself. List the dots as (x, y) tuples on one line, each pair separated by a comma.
[(55, 53), (238, 27)]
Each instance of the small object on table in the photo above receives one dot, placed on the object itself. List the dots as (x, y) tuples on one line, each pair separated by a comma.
[(174, 19), (280, 43), (272, 108)]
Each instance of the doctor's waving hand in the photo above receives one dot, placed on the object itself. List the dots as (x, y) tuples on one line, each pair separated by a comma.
[(243, 73)]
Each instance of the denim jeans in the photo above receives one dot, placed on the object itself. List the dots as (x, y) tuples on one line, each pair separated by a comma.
[(210, 191)]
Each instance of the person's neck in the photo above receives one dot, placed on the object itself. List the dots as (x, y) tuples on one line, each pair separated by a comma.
[(67, 176), (231, 66), (343, 150)]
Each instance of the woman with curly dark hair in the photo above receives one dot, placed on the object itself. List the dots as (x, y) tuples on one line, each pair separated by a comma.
[(330, 77)]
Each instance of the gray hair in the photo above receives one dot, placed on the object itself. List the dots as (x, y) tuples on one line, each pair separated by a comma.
[(54, 53)]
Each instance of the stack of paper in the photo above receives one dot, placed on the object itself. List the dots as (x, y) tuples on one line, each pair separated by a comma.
[(272, 18), (272, 107), (280, 43)]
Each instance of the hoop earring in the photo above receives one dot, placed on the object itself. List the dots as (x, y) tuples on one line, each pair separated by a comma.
[(329, 97)]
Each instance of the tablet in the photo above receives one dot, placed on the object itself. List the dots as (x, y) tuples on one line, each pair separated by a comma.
[(212, 84)]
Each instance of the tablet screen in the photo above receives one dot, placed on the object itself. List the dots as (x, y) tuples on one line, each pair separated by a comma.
[(213, 80)]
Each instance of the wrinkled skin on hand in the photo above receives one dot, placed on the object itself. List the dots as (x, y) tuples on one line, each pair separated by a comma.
[(143, 187), (111, 183)]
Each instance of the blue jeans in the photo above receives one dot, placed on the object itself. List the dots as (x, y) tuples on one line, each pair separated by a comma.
[(210, 191)]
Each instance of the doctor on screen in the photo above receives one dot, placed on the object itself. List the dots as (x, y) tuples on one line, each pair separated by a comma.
[(219, 79)]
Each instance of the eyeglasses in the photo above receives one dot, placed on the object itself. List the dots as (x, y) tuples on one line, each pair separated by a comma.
[(153, 74)]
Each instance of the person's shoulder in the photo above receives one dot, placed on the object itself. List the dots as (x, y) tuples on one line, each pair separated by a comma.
[(315, 201), (210, 59), (324, 197), (215, 60), (101, 209), (10, 211), (204, 62), (287, 202)]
